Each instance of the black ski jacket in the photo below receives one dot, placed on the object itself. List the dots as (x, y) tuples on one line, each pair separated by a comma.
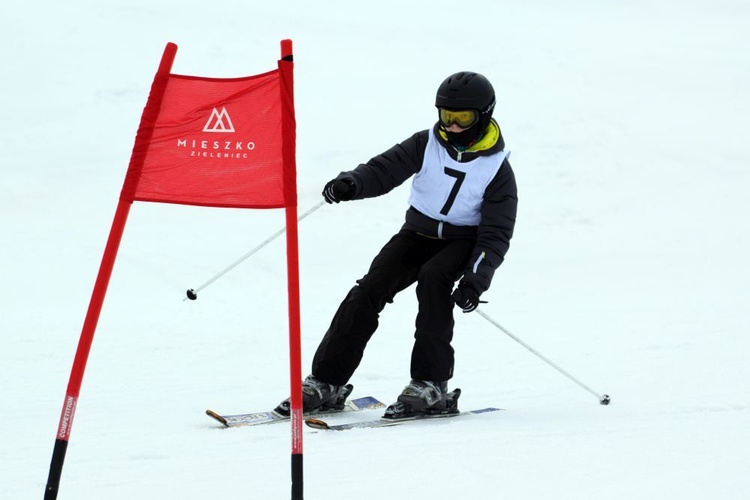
[(498, 213)]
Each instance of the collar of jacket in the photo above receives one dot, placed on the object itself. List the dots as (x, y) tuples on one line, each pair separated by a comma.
[(491, 142)]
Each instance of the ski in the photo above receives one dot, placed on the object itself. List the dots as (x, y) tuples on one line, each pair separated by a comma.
[(319, 424), (269, 417)]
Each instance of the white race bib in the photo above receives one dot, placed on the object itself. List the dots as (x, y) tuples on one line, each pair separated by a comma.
[(447, 190)]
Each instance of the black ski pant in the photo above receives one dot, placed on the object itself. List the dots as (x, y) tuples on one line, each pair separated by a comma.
[(435, 265)]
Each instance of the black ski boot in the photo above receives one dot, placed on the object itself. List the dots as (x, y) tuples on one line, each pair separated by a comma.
[(318, 397), (422, 398)]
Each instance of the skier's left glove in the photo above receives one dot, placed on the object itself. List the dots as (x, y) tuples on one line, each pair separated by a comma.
[(466, 297)]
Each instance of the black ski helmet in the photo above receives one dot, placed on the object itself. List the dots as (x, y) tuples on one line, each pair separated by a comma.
[(467, 90)]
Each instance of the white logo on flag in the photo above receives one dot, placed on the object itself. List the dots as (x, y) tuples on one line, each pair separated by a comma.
[(219, 121)]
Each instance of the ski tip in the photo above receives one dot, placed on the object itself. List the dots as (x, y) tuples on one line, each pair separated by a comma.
[(217, 417), (316, 423)]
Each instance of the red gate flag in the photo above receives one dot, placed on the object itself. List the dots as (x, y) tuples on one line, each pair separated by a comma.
[(215, 142), (212, 142)]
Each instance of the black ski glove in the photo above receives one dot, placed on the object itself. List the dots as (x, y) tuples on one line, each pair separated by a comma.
[(339, 190), (466, 297)]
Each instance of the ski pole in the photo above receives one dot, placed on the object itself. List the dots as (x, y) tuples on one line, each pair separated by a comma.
[(192, 293), (603, 398)]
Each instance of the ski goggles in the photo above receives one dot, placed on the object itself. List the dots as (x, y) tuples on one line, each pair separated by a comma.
[(464, 118)]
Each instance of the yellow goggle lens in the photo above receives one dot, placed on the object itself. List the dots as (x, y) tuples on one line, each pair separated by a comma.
[(463, 118)]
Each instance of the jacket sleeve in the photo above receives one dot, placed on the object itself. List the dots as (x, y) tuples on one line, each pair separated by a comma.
[(495, 229), (390, 169)]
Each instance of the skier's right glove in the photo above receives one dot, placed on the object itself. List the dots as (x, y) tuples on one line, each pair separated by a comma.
[(339, 190), (466, 297)]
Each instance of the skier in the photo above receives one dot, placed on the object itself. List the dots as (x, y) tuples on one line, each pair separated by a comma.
[(459, 225)]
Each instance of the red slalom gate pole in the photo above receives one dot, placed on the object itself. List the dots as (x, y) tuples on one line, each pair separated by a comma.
[(102, 282), (295, 353), (84, 347), (288, 134)]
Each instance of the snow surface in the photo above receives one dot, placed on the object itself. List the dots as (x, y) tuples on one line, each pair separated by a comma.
[(628, 125)]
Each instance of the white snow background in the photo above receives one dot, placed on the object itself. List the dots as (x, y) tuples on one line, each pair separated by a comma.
[(627, 123)]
